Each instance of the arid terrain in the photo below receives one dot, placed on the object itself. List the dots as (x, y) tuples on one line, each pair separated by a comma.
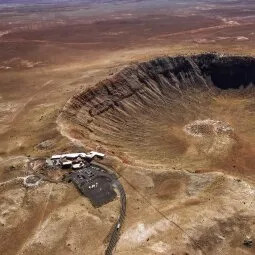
[(184, 155)]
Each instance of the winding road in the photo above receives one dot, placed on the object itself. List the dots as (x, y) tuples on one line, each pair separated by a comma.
[(117, 228), (115, 235)]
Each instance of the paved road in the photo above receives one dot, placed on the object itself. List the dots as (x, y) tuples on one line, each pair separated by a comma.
[(115, 235), (117, 228)]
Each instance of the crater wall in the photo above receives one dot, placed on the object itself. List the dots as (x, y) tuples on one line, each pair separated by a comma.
[(140, 114)]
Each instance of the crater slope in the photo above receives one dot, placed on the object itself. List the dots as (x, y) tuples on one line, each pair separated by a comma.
[(194, 113)]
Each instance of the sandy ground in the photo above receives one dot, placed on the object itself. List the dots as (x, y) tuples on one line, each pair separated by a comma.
[(174, 213)]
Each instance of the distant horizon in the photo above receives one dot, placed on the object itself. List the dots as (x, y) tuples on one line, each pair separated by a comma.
[(140, 3), (77, 1), (36, 1), (41, 1)]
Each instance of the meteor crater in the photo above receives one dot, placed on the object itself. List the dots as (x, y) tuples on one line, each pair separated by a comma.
[(185, 112)]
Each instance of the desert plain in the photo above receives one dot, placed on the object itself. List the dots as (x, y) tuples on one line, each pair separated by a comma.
[(184, 195)]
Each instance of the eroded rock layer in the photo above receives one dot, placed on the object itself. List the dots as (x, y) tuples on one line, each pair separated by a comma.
[(143, 113)]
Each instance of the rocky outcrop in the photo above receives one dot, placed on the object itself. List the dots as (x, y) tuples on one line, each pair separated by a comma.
[(161, 77)]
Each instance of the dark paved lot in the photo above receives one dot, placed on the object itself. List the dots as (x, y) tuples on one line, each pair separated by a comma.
[(95, 183)]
